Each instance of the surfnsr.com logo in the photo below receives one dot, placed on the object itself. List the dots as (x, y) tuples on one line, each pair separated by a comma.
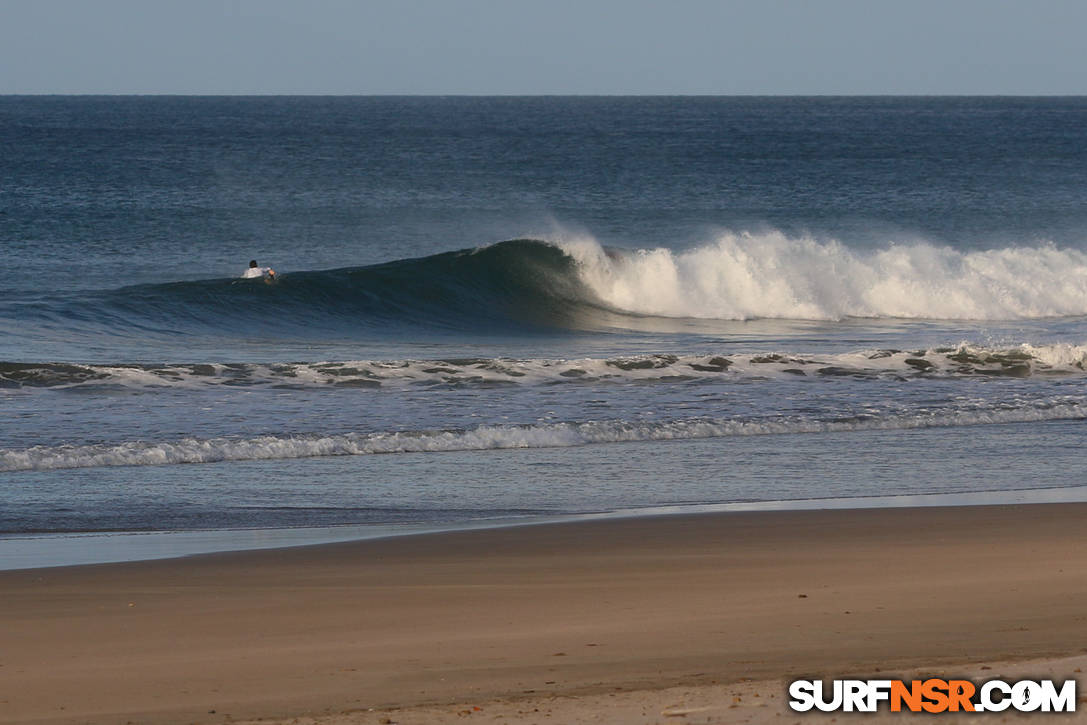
[(933, 695)]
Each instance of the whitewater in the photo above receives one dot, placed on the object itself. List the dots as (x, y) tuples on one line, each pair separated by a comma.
[(557, 435), (770, 275)]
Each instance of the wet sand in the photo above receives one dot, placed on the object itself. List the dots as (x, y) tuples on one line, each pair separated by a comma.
[(524, 615)]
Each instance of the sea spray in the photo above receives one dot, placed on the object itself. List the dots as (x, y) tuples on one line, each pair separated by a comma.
[(771, 275)]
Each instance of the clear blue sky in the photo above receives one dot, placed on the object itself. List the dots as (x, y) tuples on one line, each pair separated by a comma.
[(544, 46)]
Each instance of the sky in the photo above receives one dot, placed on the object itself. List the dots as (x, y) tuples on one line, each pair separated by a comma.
[(522, 47)]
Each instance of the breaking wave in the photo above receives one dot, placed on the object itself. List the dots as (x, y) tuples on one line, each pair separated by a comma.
[(523, 285), (494, 437), (745, 276)]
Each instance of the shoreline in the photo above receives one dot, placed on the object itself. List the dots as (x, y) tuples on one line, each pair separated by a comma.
[(62, 549), (546, 611)]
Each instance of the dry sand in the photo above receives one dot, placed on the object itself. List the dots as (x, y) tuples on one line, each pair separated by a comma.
[(739, 703), (616, 621)]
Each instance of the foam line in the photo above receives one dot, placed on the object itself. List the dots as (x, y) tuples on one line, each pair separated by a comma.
[(962, 361), (555, 435)]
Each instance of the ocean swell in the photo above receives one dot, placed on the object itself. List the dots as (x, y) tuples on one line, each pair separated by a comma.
[(506, 287)]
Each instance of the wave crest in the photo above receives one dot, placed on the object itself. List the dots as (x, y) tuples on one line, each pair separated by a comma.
[(747, 276)]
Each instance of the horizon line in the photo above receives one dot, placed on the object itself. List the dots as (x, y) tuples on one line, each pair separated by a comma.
[(214, 94)]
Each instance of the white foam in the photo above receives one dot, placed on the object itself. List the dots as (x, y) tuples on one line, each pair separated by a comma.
[(746, 276), (965, 359), (490, 437), (1060, 355)]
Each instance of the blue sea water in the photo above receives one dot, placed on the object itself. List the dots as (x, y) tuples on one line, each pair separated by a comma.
[(509, 309)]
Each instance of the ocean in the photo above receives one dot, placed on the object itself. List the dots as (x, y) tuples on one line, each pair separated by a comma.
[(496, 310)]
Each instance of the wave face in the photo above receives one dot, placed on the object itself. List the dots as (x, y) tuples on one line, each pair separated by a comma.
[(746, 276), (524, 285), (504, 286)]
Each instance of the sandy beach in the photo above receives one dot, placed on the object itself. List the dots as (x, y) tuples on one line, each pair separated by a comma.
[(496, 624)]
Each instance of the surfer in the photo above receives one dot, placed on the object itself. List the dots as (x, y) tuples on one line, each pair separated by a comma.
[(255, 271)]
